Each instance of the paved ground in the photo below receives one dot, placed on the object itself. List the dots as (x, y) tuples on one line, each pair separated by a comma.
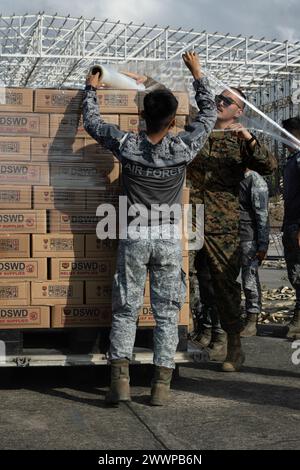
[(64, 408)]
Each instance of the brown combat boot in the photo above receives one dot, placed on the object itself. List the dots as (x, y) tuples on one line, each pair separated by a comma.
[(119, 386), (235, 356), (218, 347), (160, 390), (294, 326), (250, 327), (203, 338)]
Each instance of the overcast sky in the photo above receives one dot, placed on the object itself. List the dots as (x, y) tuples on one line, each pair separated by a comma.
[(270, 18)]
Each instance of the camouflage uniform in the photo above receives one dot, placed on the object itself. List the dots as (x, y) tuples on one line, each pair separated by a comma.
[(167, 294), (202, 295), (152, 175), (214, 177), (254, 234), (291, 224), (292, 258)]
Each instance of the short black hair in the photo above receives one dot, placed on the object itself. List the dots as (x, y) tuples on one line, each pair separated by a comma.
[(240, 92), (160, 108), (292, 125)]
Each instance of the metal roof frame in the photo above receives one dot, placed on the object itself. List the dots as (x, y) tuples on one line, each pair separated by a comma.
[(55, 51)]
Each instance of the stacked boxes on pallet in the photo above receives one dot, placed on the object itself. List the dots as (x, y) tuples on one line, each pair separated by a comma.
[(54, 272)]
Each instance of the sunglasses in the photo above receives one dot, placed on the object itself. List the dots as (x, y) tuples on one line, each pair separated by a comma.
[(227, 101)]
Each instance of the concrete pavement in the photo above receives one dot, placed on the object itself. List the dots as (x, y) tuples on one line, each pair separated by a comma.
[(63, 408)]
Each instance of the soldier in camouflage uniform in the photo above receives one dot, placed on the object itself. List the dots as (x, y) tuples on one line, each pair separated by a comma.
[(214, 177), (254, 235), (153, 173), (291, 221)]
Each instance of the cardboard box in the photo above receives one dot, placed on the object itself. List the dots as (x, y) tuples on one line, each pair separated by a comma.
[(84, 175), (14, 293), (131, 123), (108, 196), (58, 101), (146, 316), (24, 269), (95, 152), (48, 150), (24, 317), (16, 197), (118, 101), (82, 268), (71, 125), (25, 221), (134, 123), (56, 245), (14, 149), (24, 173), (48, 197), (80, 316), (17, 99), (56, 293), (98, 292), (183, 102), (14, 246), (75, 222), (95, 248), (21, 124)]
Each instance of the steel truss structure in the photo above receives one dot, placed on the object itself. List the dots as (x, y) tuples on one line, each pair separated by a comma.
[(53, 51)]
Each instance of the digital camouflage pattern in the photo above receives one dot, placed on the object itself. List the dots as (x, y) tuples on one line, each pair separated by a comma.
[(250, 278), (151, 174), (254, 210), (163, 260)]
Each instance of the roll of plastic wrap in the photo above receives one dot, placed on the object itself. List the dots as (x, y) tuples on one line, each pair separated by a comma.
[(115, 79)]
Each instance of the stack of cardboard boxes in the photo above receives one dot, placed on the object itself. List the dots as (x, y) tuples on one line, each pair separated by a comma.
[(54, 272)]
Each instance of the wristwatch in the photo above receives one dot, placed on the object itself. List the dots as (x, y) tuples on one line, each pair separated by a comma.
[(253, 138)]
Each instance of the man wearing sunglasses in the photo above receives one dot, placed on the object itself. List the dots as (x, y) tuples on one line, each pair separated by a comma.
[(214, 178)]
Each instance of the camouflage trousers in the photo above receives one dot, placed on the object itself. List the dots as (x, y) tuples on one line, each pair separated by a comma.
[(292, 258), (162, 259), (250, 278), (223, 257), (202, 295)]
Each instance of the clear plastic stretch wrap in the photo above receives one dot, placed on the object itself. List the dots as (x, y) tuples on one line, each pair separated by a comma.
[(54, 272), (114, 79), (172, 74)]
